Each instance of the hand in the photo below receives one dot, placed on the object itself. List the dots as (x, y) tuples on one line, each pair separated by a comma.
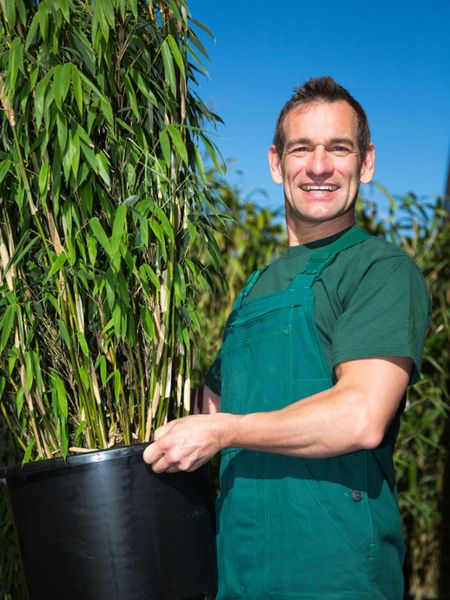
[(184, 444)]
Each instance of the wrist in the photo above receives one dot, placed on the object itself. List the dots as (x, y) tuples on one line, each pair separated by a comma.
[(227, 424)]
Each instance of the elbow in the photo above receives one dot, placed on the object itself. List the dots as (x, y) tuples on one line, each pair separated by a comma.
[(371, 438), (368, 430)]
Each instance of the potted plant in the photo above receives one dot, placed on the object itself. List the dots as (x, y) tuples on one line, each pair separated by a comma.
[(103, 216)]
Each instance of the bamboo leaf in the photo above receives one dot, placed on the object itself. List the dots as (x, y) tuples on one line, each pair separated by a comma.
[(214, 155), (61, 124), (169, 70), (63, 6), (132, 98), (99, 18), (79, 433), (5, 166), (143, 87), (117, 384), (133, 4), (178, 143), (119, 227), (15, 62), (166, 224), (89, 155), (165, 145), (39, 99), (85, 379), (157, 230), (103, 168), (43, 14), (100, 235), (77, 89), (9, 10), (108, 113), (64, 333), (44, 175), (57, 265), (61, 82), (202, 26), (32, 31), (146, 270), (75, 151), (20, 397), (21, 11), (117, 319), (200, 165), (83, 47), (108, 11), (28, 451), (176, 53), (7, 323), (83, 343), (200, 47), (147, 323), (61, 395)]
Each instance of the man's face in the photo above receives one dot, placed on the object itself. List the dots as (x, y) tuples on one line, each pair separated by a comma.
[(321, 167)]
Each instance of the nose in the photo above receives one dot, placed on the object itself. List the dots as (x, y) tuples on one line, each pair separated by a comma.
[(319, 163)]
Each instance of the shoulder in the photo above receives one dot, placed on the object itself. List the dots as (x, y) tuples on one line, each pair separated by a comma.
[(373, 250), (375, 264)]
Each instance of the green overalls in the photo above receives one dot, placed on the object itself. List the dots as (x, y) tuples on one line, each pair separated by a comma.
[(292, 527)]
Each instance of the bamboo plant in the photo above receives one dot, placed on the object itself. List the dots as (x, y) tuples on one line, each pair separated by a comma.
[(104, 212)]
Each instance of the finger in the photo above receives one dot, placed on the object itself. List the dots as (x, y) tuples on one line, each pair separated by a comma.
[(158, 433), (163, 466), (152, 454)]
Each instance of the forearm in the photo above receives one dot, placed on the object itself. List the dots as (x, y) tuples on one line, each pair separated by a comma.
[(352, 415), (326, 424)]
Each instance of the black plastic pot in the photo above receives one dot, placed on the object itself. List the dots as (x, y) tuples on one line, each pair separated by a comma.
[(103, 526)]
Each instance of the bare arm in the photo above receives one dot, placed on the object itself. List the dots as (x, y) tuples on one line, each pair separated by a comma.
[(352, 415)]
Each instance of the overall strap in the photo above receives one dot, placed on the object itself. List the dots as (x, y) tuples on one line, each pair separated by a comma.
[(253, 277), (323, 257)]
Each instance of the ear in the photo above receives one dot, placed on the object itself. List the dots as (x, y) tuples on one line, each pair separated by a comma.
[(276, 168), (368, 165)]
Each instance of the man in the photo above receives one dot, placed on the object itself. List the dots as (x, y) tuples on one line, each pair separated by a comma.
[(315, 361)]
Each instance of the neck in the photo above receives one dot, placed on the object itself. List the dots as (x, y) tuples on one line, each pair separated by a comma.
[(310, 231)]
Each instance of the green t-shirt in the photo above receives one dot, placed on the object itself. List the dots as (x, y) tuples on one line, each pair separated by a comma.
[(372, 300)]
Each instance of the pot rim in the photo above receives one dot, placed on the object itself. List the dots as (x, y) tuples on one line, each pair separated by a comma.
[(73, 460)]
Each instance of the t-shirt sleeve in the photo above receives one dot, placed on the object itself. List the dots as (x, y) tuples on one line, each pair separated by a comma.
[(387, 314), (213, 379)]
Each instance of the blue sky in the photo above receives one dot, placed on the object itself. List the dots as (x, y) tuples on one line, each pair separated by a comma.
[(393, 56)]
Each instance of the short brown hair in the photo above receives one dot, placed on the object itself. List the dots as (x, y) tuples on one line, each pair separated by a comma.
[(324, 89)]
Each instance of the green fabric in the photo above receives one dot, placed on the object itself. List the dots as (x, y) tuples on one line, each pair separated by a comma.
[(291, 527), (371, 301)]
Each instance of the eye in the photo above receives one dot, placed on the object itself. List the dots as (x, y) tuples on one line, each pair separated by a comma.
[(339, 150), (300, 150)]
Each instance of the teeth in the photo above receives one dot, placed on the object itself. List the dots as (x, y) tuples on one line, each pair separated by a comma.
[(319, 188)]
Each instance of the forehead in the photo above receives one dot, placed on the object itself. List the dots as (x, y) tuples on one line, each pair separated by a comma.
[(321, 121)]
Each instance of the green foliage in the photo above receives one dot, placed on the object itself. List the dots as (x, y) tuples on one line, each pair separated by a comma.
[(422, 453), (104, 207)]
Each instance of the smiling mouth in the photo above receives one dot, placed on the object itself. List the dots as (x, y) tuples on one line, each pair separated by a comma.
[(319, 188)]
